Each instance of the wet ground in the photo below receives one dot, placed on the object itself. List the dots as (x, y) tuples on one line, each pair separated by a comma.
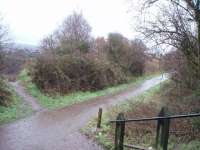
[(59, 129), (25, 96)]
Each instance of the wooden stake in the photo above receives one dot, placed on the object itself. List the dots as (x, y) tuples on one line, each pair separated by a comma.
[(99, 118)]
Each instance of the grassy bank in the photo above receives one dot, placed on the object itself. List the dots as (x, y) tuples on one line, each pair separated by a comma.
[(105, 135), (143, 134), (16, 110), (58, 101)]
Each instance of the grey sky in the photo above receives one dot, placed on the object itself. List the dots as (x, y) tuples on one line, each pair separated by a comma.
[(31, 20)]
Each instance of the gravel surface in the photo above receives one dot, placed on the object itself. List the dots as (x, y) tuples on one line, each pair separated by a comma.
[(59, 129)]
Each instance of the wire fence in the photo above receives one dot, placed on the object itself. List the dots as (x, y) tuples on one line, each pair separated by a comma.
[(162, 132)]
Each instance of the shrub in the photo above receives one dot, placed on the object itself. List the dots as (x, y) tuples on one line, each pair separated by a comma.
[(129, 55), (5, 94), (72, 60), (176, 63), (69, 73)]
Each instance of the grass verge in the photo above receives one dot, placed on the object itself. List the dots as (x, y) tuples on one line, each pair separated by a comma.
[(143, 134), (58, 101), (16, 110), (105, 135)]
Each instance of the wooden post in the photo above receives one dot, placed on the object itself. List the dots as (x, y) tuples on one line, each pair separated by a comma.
[(159, 127), (162, 134), (119, 132), (166, 133), (99, 118)]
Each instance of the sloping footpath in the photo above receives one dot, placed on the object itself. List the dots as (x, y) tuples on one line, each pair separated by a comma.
[(59, 129), (28, 99)]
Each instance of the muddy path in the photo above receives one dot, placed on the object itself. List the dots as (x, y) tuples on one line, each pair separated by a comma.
[(59, 129), (28, 99)]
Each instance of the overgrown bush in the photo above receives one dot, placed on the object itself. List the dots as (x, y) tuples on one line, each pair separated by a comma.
[(72, 60), (68, 73), (176, 63), (5, 94), (129, 55)]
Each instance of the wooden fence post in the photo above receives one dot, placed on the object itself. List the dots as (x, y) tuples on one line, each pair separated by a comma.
[(99, 118), (162, 134), (159, 128), (119, 132), (166, 133)]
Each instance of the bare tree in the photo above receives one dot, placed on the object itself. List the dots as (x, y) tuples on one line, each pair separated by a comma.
[(190, 7), (178, 26), (75, 33), (48, 43), (72, 36), (179, 22)]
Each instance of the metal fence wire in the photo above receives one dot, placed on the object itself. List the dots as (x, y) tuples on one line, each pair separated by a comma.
[(166, 128)]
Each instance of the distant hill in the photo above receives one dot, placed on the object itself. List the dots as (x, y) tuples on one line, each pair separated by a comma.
[(31, 48), (16, 55)]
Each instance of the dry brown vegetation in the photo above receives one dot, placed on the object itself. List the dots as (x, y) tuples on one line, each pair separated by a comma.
[(144, 133), (68, 73), (72, 60), (5, 94), (152, 64)]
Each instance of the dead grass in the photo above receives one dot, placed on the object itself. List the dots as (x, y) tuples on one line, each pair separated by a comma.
[(182, 131)]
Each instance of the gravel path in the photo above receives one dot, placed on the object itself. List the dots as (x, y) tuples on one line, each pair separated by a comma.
[(59, 129)]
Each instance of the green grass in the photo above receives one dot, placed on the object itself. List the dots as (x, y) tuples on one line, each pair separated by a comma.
[(194, 145), (58, 101), (16, 110)]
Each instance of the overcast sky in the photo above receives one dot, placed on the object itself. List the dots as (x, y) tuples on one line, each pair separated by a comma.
[(31, 20)]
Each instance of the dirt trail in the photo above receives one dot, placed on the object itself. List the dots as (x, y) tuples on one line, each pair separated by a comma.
[(59, 129), (30, 100)]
